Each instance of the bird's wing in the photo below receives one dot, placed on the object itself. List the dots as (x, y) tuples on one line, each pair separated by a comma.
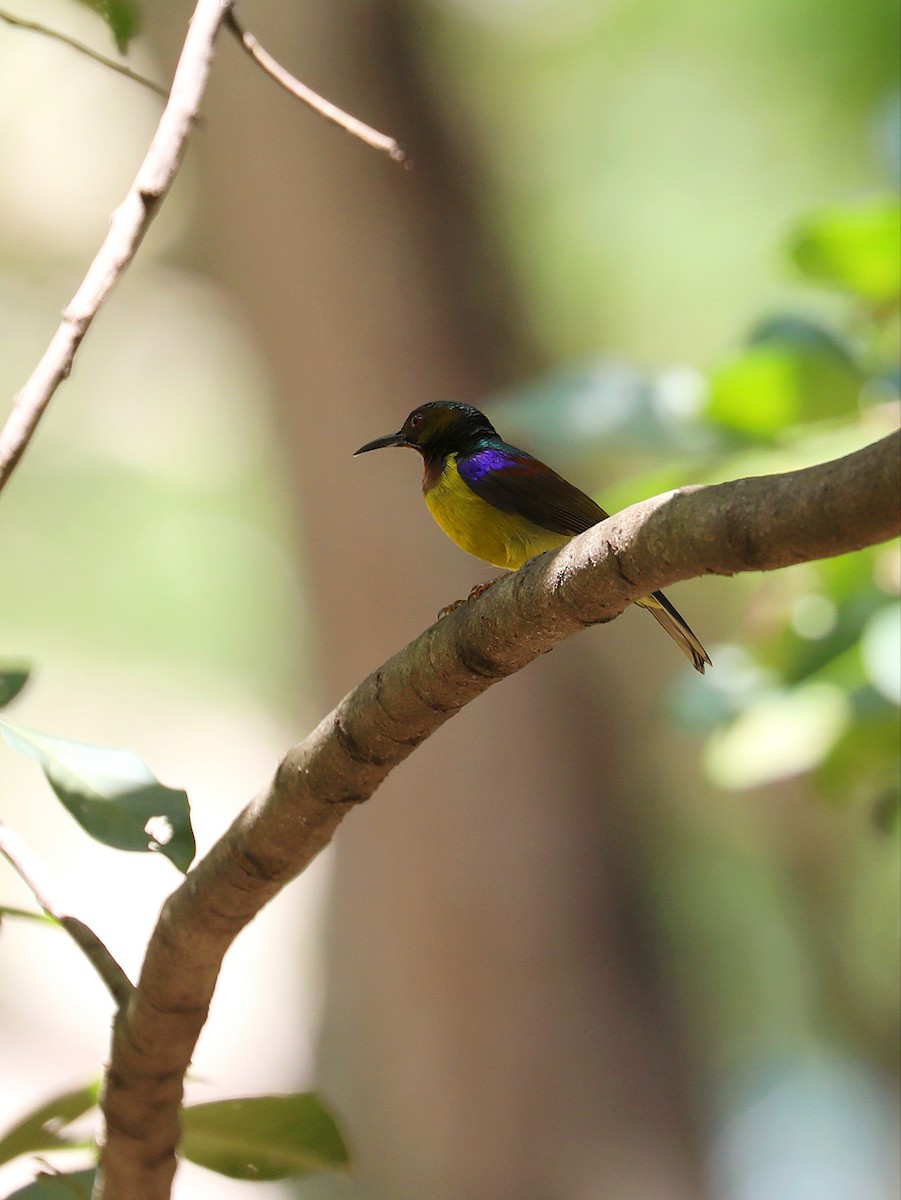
[(516, 483)]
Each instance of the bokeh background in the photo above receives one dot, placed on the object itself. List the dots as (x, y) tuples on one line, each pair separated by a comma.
[(616, 930)]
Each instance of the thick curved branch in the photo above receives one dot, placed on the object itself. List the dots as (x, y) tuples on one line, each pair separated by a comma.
[(747, 525)]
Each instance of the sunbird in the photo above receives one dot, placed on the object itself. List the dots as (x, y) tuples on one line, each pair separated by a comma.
[(501, 504)]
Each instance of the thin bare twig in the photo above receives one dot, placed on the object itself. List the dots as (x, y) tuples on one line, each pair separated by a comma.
[(325, 108), (131, 220), (128, 225), (34, 875), (119, 68)]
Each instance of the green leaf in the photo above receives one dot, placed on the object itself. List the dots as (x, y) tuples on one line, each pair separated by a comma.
[(76, 1185), (792, 370), (856, 247), (13, 677), (112, 794), (41, 1130), (263, 1137), (122, 16)]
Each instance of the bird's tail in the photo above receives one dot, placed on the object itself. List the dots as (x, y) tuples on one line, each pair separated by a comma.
[(664, 613)]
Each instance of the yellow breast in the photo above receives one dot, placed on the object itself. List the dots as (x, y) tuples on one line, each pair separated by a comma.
[(499, 538)]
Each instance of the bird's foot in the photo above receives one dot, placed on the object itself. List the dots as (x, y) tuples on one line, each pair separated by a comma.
[(479, 590), (449, 608)]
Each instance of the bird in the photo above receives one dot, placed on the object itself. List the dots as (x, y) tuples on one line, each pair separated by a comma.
[(502, 505)]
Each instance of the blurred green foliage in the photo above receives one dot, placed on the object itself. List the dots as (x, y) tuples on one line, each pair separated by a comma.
[(856, 247), (642, 156), (792, 369), (812, 685), (825, 676)]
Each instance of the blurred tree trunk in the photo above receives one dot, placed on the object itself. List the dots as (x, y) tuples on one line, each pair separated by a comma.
[(493, 1026)]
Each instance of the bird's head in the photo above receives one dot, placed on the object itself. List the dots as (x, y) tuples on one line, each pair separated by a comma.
[(437, 429)]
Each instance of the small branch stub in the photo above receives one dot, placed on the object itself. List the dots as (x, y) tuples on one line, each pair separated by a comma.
[(352, 125)]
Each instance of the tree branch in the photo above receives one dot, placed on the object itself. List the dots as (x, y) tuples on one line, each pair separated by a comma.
[(325, 108), (748, 525), (32, 872), (95, 55)]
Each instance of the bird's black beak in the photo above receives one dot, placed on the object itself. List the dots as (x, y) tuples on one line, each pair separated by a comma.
[(392, 439)]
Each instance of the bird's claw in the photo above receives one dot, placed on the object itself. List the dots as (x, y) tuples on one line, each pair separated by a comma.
[(449, 608), (479, 590)]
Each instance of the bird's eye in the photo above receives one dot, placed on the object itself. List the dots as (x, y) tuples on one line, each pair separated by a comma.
[(415, 420)]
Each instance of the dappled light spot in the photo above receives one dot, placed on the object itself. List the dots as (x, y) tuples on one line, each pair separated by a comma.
[(781, 735), (159, 830)]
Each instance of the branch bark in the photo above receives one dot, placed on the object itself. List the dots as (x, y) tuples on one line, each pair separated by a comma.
[(756, 524)]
